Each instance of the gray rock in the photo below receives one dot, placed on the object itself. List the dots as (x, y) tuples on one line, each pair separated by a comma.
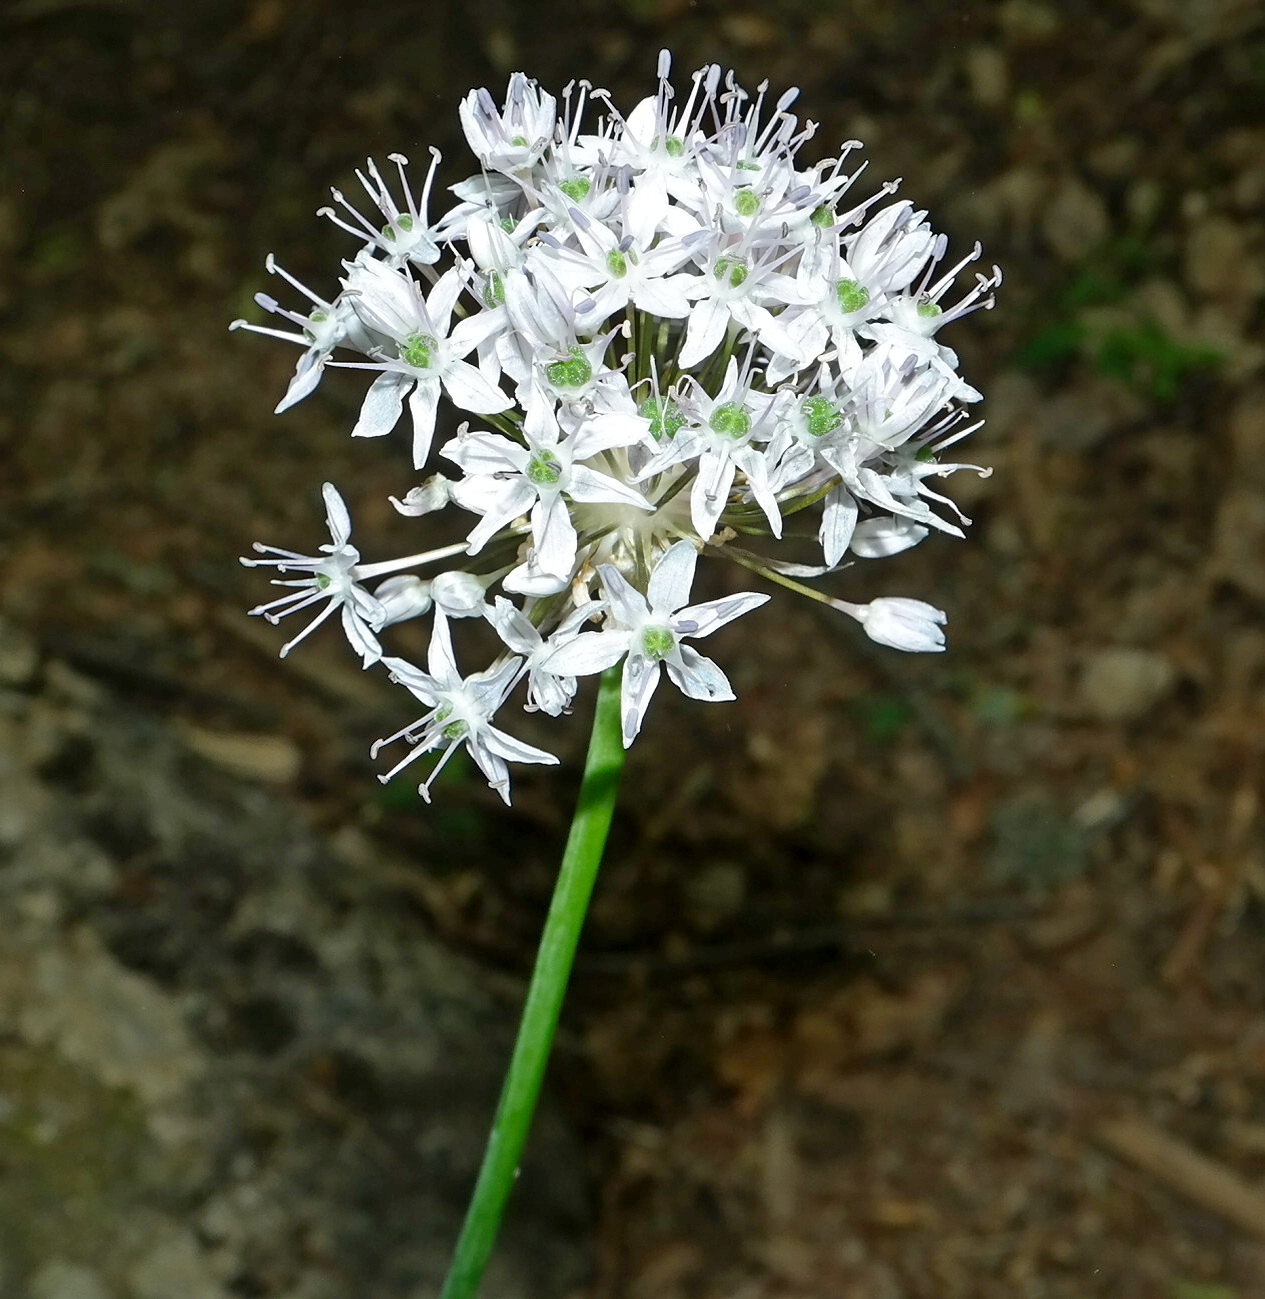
[(1217, 260), (1075, 220), (229, 1060), (58, 1279), (173, 1265), (1122, 682), (1238, 550)]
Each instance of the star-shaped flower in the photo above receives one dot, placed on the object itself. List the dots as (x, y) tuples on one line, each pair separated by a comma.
[(649, 629), (461, 711)]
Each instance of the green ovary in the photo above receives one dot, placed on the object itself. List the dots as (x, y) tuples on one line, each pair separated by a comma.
[(928, 310), (735, 273), (617, 263), (404, 221), (575, 188), (673, 146), (574, 372), (494, 290), (746, 202), (543, 469), (657, 643), (730, 421), (418, 351), (821, 416), (852, 296), (664, 416), (823, 217), (457, 730)]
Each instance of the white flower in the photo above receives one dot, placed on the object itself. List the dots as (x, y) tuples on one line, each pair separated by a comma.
[(428, 354), (334, 577), (719, 437), (406, 237), (461, 711), (515, 137), (402, 597), (649, 629), (547, 690), (432, 495), (459, 594), (504, 479), (621, 270), (903, 624), (327, 326)]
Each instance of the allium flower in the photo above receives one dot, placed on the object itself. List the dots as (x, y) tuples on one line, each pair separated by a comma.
[(649, 629), (461, 710), (642, 340), (336, 577)]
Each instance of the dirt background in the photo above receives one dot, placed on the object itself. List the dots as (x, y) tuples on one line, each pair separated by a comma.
[(906, 978)]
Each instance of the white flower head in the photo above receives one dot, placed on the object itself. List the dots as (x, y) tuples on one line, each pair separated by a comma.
[(660, 333)]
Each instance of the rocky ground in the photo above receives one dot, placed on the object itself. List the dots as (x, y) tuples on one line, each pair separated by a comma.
[(906, 978)]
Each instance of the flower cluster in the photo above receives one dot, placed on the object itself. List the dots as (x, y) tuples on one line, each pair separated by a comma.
[(671, 335)]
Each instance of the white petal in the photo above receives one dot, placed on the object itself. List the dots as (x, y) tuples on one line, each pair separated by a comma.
[(474, 331), (838, 520), (361, 639), (439, 657), (673, 575), (553, 535), (418, 683), (336, 516), (485, 454), (492, 765), (665, 298), (641, 676), (699, 620), (707, 325), (513, 626), (699, 677), (647, 206), (626, 602), (588, 486), (423, 402), (878, 538), (380, 410), (512, 500), (756, 467), (470, 391), (589, 652), (506, 746), (443, 297), (527, 579), (709, 492), (642, 123), (602, 432), (307, 375)]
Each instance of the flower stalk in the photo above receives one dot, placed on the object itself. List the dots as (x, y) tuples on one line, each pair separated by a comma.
[(580, 862)]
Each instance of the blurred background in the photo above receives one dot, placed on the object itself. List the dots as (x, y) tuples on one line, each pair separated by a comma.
[(906, 977)]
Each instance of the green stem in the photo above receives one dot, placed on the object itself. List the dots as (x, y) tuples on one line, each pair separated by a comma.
[(571, 894)]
